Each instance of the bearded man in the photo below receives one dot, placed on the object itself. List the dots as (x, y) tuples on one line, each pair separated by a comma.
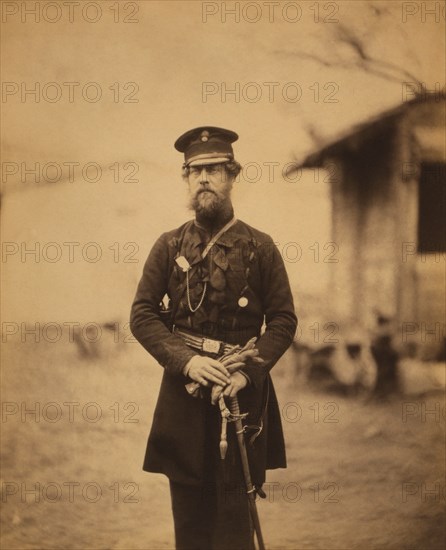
[(226, 283)]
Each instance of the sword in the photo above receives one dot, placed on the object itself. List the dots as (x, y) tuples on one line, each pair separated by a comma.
[(250, 489)]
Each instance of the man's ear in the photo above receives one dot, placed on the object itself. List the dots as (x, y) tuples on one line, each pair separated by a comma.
[(228, 178)]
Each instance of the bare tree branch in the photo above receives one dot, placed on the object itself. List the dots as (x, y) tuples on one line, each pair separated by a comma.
[(362, 60), (368, 63)]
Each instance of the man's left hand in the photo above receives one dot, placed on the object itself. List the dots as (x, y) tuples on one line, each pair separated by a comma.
[(237, 383)]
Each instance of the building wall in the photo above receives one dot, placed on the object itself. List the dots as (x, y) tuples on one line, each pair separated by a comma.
[(364, 226)]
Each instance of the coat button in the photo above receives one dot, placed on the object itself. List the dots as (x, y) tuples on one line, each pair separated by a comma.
[(243, 301)]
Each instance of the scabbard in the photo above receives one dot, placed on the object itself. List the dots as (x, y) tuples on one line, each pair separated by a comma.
[(250, 489)]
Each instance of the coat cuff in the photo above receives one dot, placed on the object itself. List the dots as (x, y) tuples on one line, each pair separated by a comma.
[(256, 375), (187, 366)]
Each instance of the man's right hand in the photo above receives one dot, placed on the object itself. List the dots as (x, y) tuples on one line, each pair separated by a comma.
[(205, 370)]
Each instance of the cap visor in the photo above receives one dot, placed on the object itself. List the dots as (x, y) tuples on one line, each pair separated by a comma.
[(207, 160)]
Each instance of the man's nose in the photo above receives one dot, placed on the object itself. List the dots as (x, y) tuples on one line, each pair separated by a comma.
[(203, 175)]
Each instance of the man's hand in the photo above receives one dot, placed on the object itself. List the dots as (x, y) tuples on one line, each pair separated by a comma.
[(205, 370), (237, 383)]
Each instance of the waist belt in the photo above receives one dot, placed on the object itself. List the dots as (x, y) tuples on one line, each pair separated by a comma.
[(206, 345)]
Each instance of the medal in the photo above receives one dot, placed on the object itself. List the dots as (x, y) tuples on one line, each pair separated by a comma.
[(243, 301)]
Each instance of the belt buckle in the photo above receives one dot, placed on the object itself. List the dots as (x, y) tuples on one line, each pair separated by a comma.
[(211, 346)]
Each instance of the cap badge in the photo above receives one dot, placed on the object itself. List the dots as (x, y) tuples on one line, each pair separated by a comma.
[(204, 135)]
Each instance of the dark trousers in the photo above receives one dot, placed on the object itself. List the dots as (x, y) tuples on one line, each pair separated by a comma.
[(206, 519), (214, 515)]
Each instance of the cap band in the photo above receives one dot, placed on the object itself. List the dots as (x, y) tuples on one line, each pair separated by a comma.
[(214, 158)]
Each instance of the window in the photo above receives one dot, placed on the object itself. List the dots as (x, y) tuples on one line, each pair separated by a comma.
[(432, 208)]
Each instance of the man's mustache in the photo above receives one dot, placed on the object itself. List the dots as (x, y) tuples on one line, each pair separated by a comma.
[(205, 190)]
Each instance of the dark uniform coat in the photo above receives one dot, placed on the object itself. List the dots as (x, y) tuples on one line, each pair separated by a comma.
[(246, 264)]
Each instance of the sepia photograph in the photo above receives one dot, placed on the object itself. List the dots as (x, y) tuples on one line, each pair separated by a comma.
[(223, 275)]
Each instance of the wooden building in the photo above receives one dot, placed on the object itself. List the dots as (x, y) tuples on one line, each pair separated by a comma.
[(388, 196)]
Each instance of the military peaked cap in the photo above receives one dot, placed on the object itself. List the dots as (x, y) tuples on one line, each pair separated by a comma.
[(206, 145)]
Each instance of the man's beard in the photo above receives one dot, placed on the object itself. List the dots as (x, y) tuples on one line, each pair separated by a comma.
[(207, 204)]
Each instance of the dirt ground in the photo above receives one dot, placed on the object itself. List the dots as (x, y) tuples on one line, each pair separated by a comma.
[(361, 474)]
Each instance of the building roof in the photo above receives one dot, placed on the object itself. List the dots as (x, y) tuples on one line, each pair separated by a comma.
[(362, 132)]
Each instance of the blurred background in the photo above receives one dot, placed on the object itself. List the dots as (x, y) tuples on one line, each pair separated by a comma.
[(340, 108)]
